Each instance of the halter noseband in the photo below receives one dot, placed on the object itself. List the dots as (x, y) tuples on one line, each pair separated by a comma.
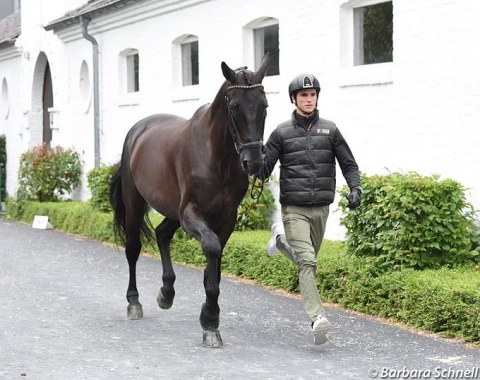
[(232, 126)]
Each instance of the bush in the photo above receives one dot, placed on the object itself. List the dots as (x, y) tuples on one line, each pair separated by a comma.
[(46, 174), (3, 149), (254, 213), (99, 184), (407, 220)]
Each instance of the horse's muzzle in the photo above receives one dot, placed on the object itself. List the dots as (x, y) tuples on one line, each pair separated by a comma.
[(251, 157)]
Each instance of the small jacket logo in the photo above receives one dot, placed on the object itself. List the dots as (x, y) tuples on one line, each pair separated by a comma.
[(323, 131)]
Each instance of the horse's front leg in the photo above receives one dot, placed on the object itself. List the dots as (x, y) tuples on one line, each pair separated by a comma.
[(195, 225)]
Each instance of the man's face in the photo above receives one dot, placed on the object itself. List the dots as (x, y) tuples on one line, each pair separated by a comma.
[(306, 101)]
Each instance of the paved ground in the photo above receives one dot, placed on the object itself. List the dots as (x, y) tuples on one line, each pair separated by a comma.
[(63, 316)]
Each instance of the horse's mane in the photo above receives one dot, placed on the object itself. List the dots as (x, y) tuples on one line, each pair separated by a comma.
[(200, 110)]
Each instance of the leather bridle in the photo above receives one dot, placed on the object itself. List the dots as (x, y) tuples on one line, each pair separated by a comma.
[(232, 126)]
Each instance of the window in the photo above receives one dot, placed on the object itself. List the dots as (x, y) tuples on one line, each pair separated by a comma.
[(133, 64), (4, 99), (366, 37), (85, 85), (128, 74), (373, 34), (266, 41), (189, 49)]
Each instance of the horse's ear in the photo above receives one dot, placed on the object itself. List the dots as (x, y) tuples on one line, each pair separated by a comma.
[(264, 66), (228, 73)]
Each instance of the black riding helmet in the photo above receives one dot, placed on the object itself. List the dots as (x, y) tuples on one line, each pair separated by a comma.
[(301, 82)]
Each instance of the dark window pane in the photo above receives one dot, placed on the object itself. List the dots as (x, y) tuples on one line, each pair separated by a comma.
[(136, 71), (194, 61), (270, 44), (378, 33)]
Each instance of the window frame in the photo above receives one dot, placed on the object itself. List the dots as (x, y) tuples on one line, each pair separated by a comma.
[(84, 86), (359, 35), (4, 98), (126, 78), (253, 51), (129, 72), (190, 73), (259, 48), (132, 61), (358, 75)]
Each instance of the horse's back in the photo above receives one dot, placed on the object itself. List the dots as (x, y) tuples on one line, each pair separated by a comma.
[(162, 122), (153, 149)]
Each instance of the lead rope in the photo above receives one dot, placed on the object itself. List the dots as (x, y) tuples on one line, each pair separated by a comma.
[(257, 184)]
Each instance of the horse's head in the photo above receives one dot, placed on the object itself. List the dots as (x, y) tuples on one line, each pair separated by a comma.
[(247, 108)]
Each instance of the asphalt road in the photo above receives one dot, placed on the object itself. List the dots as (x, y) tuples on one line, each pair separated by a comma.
[(63, 316)]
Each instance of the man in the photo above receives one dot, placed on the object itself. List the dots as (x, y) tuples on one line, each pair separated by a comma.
[(307, 147)]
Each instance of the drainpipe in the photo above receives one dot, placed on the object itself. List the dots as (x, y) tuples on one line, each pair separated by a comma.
[(96, 84)]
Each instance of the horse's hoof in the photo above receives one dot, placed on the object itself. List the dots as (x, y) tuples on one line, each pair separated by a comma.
[(162, 302), (212, 339), (134, 312)]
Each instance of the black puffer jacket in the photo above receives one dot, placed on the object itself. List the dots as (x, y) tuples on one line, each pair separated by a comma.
[(307, 156)]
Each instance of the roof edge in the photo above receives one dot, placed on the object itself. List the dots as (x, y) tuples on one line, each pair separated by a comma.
[(73, 17)]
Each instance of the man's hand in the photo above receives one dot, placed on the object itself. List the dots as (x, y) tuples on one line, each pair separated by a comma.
[(354, 198)]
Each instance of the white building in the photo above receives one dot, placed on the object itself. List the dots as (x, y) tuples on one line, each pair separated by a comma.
[(416, 109)]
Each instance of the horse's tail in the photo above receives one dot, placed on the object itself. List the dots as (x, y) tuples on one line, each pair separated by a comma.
[(119, 214), (116, 201)]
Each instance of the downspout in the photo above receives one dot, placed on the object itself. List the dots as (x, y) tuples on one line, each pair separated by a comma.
[(96, 84)]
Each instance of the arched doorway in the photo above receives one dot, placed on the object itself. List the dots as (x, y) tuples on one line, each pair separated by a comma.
[(47, 102), (42, 102)]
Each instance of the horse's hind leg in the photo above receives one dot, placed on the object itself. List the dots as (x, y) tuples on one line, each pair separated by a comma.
[(164, 233), (133, 246)]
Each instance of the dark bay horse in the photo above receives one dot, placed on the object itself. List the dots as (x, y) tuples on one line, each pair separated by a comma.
[(195, 173)]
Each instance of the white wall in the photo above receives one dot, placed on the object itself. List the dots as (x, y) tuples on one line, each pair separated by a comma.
[(419, 113), (11, 111)]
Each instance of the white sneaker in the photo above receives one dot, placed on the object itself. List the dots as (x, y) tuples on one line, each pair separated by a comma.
[(277, 229), (320, 327)]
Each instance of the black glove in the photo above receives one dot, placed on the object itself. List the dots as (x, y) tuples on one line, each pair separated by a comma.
[(354, 198)]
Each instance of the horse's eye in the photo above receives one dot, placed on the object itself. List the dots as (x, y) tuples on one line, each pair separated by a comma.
[(234, 107)]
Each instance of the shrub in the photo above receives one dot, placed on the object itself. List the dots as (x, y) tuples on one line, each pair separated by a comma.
[(3, 149), (99, 183), (407, 220), (254, 213), (46, 174)]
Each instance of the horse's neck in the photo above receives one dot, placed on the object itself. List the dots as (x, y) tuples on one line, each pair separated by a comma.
[(220, 137)]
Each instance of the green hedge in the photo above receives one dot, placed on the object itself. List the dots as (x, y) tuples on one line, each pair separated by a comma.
[(412, 221), (445, 301)]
